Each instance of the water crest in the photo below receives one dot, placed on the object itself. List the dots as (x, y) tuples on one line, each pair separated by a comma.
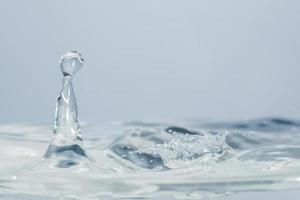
[(66, 144)]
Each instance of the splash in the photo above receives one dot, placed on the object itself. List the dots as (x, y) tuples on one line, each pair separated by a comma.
[(67, 139), (170, 148)]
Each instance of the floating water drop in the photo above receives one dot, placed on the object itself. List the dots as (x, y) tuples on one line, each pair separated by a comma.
[(71, 63), (67, 139)]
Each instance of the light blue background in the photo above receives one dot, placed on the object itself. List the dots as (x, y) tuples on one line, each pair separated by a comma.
[(158, 59), (155, 59)]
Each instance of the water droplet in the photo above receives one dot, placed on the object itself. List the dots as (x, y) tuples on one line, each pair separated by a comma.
[(66, 132), (70, 63)]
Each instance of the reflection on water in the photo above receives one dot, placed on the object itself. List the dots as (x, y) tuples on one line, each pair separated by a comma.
[(151, 160)]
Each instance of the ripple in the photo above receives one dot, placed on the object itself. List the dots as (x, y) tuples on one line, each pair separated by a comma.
[(152, 161)]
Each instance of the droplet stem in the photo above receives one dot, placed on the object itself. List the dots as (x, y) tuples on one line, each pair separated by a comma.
[(66, 131)]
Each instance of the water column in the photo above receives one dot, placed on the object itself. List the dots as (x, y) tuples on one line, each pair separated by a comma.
[(67, 139)]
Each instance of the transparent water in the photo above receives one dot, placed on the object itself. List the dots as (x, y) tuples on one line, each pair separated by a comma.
[(152, 161), (140, 160)]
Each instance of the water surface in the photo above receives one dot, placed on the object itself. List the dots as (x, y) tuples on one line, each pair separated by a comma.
[(141, 160)]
